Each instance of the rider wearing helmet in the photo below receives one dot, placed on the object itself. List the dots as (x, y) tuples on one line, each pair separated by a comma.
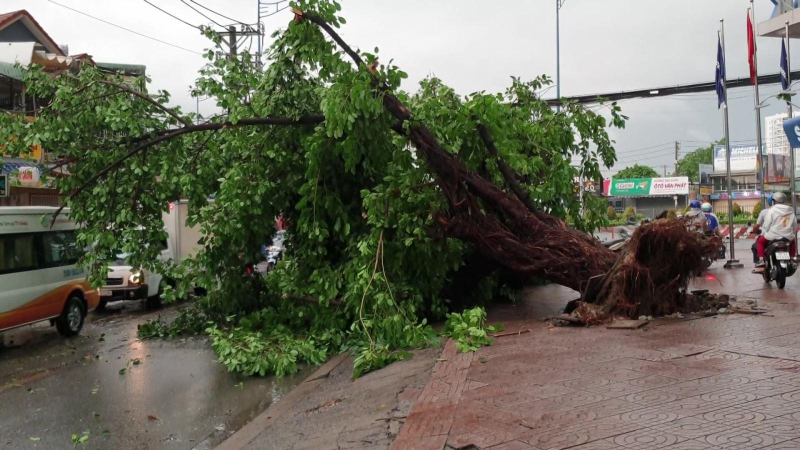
[(757, 227), (780, 222), (713, 222), (695, 216)]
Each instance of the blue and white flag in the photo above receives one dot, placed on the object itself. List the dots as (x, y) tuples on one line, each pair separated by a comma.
[(784, 67), (719, 78)]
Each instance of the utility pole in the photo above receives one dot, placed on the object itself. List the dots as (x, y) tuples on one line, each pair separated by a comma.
[(231, 34), (677, 149), (232, 40)]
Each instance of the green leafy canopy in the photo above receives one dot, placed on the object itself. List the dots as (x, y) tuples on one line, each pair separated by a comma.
[(364, 253), (637, 171)]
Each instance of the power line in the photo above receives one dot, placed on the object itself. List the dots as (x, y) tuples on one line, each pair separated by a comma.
[(126, 29), (172, 15), (653, 146), (198, 12), (221, 15)]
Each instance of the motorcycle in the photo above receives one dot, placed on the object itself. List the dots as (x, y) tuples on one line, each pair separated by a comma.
[(779, 263), (617, 245)]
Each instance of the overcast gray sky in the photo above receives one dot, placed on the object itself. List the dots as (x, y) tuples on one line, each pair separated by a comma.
[(476, 45)]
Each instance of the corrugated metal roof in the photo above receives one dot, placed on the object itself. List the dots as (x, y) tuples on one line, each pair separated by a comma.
[(8, 70), (127, 69)]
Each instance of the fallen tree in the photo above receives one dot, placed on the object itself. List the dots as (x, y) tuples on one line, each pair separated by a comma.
[(391, 197)]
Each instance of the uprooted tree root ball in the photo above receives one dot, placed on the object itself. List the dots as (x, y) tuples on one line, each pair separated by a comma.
[(651, 276)]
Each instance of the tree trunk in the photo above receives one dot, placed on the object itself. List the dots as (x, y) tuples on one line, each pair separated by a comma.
[(508, 228)]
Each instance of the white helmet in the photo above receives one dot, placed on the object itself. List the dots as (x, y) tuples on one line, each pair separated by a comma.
[(779, 197), (706, 207)]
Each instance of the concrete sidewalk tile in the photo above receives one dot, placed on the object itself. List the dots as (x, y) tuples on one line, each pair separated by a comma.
[(691, 388), (764, 388), (727, 379), (617, 389), (548, 390), (611, 407), (651, 398), (559, 419), (781, 427), (512, 445), (581, 433), (774, 406), (423, 443), (692, 427), (793, 396), (648, 439), (649, 417), (485, 437), (578, 398), (741, 439), (693, 444), (653, 381), (735, 416), (585, 383), (598, 445)]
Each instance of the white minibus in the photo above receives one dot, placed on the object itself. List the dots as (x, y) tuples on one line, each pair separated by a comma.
[(38, 277)]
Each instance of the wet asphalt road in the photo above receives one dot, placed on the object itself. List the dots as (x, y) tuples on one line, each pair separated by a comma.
[(177, 397)]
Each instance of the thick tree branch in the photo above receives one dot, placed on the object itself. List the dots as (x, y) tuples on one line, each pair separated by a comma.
[(508, 174), (171, 134), (146, 98)]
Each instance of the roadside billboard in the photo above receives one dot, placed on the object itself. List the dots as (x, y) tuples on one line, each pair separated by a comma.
[(705, 171), (744, 158), (649, 187), (776, 168)]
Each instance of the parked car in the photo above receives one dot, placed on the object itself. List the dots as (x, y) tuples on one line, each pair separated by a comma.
[(38, 277), (125, 282)]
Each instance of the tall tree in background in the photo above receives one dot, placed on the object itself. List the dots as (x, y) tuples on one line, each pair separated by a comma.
[(637, 171), (688, 165)]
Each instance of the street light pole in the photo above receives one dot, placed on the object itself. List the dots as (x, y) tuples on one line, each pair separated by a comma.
[(559, 4), (759, 144), (732, 263), (793, 170)]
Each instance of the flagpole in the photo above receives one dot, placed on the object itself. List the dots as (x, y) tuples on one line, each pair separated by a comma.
[(793, 169), (732, 262), (759, 143)]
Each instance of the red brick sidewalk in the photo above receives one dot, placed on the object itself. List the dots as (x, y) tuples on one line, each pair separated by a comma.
[(731, 381)]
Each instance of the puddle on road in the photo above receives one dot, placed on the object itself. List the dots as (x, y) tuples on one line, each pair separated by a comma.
[(193, 398)]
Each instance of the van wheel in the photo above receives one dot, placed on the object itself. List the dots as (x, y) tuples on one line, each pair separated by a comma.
[(70, 322)]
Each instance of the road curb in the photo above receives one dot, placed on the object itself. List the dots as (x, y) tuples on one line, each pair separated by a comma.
[(266, 419)]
